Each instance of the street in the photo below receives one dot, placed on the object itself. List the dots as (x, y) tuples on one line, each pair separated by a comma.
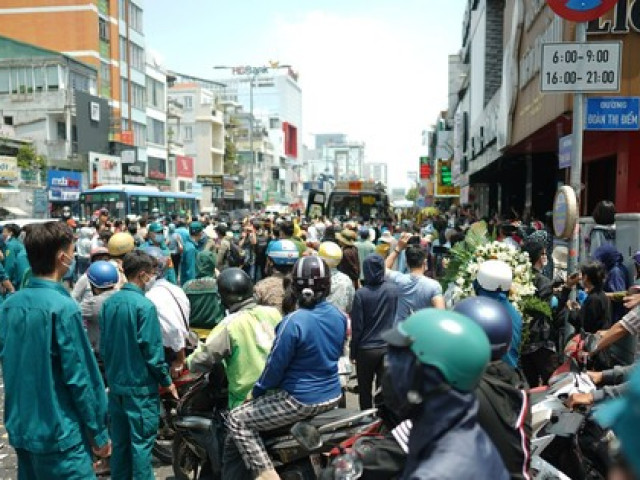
[(9, 460)]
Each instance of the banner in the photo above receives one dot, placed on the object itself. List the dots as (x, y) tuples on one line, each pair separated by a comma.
[(104, 169), (8, 168), (184, 166), (64, 185)]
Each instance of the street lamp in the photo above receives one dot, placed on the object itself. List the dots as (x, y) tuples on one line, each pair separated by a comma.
[(251, 73)]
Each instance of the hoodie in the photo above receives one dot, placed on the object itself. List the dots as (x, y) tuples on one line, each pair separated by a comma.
[(374, 307), (617, 274), (446, 441)]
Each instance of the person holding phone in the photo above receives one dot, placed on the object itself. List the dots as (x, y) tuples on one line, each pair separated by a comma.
[(595, 313)]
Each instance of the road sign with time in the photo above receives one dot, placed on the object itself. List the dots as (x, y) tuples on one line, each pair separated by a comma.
[(581, 67)]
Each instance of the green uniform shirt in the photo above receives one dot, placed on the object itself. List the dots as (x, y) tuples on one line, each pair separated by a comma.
[(15, 261), (243, 340), (131, 344), (53, 388)]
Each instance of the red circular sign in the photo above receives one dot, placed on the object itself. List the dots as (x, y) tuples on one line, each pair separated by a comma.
[(581, 10)]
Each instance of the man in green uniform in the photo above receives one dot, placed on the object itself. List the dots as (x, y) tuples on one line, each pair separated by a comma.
[(206, 306), (131, 347), (16, 264), (55, 402), (189, 252), (243, 339), (155, 238)]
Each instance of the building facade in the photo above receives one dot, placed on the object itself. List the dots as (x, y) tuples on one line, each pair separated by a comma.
[(376, 172)]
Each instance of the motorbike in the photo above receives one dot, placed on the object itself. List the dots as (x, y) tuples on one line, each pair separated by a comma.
[(568, 444), (297, 450), (163, 445)]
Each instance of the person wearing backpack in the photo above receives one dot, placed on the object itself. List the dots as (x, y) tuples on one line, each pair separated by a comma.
[(229, 253), (504, 411)]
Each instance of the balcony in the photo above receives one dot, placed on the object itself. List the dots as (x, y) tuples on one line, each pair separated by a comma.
[(174, 110)]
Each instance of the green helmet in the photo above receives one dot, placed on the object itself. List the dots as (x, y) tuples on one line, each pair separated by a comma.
[(448, 341), (155, 227)]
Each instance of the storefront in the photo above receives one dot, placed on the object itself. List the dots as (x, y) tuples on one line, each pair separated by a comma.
[(63, 189)]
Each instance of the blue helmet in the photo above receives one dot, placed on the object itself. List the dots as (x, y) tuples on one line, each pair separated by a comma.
[(494, 320), (102, 274), (283, 252)]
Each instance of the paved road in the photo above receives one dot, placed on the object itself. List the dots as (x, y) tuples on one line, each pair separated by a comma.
[(9, 460)]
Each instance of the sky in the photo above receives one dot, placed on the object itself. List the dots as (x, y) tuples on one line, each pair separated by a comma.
[(375, 70)]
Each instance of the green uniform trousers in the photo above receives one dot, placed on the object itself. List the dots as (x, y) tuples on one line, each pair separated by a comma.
[(134, 426), (72, 464)]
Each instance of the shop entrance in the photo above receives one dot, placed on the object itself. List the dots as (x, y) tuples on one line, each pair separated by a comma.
[(600, 176)]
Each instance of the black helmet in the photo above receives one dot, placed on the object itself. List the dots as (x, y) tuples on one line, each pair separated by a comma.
[(494, 320), (234, 286), (311, 280)]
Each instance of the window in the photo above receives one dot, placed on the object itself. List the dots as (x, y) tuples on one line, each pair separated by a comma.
[(7, 120), (123, 49), (61, 130), (38, 78), (124, 90), (139, 134), (105, 75), (121, 7), (137, 57), (188, 102), (155, 131), (103, 29), (4, 80), (138, 93), (155, 94), (135, 17), (78, 82), (53, 81), (188, 134)]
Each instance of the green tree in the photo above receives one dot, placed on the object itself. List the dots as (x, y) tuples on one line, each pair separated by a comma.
[(412, 194), (231, 166), (28, 158)]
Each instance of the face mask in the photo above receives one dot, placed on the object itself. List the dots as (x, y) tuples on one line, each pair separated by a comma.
[(149, 284), (400, 395), (70, 261)]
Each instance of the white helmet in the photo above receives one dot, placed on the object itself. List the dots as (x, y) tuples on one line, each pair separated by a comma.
[(495, 276)]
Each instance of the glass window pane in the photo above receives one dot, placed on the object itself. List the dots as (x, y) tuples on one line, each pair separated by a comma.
[(4, 80), (52, 77)]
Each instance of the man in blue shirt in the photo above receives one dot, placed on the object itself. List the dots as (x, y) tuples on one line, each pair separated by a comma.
[(416, 291), (55, 403), (302, 367)]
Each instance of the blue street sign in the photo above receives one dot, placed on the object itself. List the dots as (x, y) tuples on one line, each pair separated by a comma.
[(565, 148), (613, 113)]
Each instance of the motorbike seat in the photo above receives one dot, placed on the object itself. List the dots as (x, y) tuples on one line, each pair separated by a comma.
[(317, 421)]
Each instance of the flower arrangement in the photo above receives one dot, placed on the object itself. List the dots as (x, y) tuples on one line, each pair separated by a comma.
[(466, 258)]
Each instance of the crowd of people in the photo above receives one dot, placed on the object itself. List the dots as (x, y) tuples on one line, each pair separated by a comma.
[(133, 305)]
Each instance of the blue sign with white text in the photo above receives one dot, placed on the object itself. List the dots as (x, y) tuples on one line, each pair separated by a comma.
[(612, 113)]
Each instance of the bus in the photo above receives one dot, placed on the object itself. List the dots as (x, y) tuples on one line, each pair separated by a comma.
[(126, 201), (355, 200)]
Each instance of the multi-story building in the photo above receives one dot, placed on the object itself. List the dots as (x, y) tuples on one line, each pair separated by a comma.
[(200, 128), (106, 34), (158, 172), (345, 160), (376, 172), (277, 104)]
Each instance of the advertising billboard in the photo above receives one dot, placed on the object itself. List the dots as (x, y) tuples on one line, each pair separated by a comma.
[(104, 169), (92, 123), (184, 166), (8, 168), (64, 185)]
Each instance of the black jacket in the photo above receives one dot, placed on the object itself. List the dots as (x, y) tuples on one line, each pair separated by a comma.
[(374, 307), (594, 314), (505, 415)]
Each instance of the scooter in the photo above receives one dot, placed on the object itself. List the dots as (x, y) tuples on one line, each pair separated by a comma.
[(297, 450)]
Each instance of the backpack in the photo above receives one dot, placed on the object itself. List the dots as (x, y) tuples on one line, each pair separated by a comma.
[(235, 255)]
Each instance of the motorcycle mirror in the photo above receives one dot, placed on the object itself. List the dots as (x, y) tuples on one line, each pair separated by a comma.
[(306, 435)]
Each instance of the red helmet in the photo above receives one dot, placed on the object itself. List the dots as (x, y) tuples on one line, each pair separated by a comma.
[(311, 280)]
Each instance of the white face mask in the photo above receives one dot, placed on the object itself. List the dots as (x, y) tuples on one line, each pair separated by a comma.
[(545, 261), (149, 285), (68, 265)]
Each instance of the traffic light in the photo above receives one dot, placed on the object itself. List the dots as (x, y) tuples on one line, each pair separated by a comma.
[(445, 174)]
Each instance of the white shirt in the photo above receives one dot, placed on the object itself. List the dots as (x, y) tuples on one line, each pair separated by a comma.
[(172, 319)]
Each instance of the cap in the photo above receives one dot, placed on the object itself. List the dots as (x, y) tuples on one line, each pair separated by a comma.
[(155, 227), (195, 228)]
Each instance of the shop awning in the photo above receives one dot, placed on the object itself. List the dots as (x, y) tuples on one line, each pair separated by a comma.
[(18, 212)]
